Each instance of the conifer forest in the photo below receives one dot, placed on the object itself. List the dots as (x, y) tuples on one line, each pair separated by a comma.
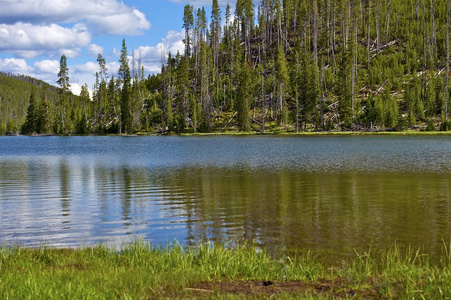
[(262, 66)]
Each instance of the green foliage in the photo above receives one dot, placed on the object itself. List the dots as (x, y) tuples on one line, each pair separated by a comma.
[(310, 64), (31, 124), (243, 97), (431, 126), (125, 104), (140, 270), (344, 90)]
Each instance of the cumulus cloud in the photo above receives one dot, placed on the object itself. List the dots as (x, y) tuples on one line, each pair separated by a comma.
[(151, 55), (32, 28), (205, 2), (89, 67), (15, 66), (27, 40), (47, 67), (95, 50), (103, 16), (133, 23)]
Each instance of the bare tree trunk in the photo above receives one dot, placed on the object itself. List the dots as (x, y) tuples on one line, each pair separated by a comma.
[(387, 24), (424, 52), (378, 26), (315, 31), (433, 38), (354, 68), (447, 60), (417, 10), (369, 34)]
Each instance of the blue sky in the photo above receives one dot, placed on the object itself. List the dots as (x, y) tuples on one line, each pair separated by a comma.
[(35, 33)]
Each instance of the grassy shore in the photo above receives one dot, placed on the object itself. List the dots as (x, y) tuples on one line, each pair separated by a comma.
[(321, 133), (140, 271)]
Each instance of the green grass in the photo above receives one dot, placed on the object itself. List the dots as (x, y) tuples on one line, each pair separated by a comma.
[(141, 271)]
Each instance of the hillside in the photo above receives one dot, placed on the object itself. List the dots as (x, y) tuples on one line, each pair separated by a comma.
[(307, 66), (283, 65), (15, 91)]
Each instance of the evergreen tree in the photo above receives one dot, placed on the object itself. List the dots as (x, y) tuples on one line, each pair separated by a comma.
[(64, 125), (184, 91), (124, 73), (390, 108), (30, 125), (83, 127), (188, 22), (282, 86), (168, 88), (244, 93), (63, 75), (45, 120), (345, 90)]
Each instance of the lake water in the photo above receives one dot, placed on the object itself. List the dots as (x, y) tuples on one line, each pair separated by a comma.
[(327, 194)]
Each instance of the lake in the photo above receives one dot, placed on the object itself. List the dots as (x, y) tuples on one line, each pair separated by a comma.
[(328, 194)]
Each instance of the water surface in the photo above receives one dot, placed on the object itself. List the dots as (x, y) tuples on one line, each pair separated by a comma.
[(328, 194)]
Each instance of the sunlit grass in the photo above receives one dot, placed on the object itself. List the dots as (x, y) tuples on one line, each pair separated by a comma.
[(142, 271)]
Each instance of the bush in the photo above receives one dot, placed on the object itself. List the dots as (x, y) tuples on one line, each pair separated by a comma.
[(431, 126)]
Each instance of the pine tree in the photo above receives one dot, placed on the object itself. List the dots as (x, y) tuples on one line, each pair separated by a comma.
[(64, 107), (168, 89), (390, 109), (124, 73), (85, 99), (205, 81), (184, 90), (188, 22), (45, 120), (244, 93), (30, 125), (345, 90), (282, 86), (63, 75)]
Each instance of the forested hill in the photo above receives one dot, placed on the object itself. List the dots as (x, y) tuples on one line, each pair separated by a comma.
[(312, 65), (291, 65), (15, 91)]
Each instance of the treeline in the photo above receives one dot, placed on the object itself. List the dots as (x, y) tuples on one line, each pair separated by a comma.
[(15, 91), (296, 65), (311, 65)]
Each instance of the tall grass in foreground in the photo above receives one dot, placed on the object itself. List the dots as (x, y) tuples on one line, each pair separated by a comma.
[(141, 271)]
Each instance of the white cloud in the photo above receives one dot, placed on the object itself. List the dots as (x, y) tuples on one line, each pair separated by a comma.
[(27, 40), (95, 50), (113, 67), (198, 3), (104, 16), (151, 55), (47, 67), (89, 67), (133, 23), (75, 88), (15, 66)]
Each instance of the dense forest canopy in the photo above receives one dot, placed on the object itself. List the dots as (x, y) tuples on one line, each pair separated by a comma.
[(296, 65)]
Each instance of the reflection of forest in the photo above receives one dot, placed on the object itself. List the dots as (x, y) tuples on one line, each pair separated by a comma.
[(285, 210), (290, 211)]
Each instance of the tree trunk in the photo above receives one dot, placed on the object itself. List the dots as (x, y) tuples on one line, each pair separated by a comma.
[(424, 53), (447, 60), (315, 31), (433, 39), (369, 34), (387, 24), (378, 26)]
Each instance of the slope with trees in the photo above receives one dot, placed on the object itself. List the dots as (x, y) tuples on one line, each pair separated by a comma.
[(295, 65)]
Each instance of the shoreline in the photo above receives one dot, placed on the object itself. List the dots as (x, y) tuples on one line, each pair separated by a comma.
[(217, 271), (254, 133)]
